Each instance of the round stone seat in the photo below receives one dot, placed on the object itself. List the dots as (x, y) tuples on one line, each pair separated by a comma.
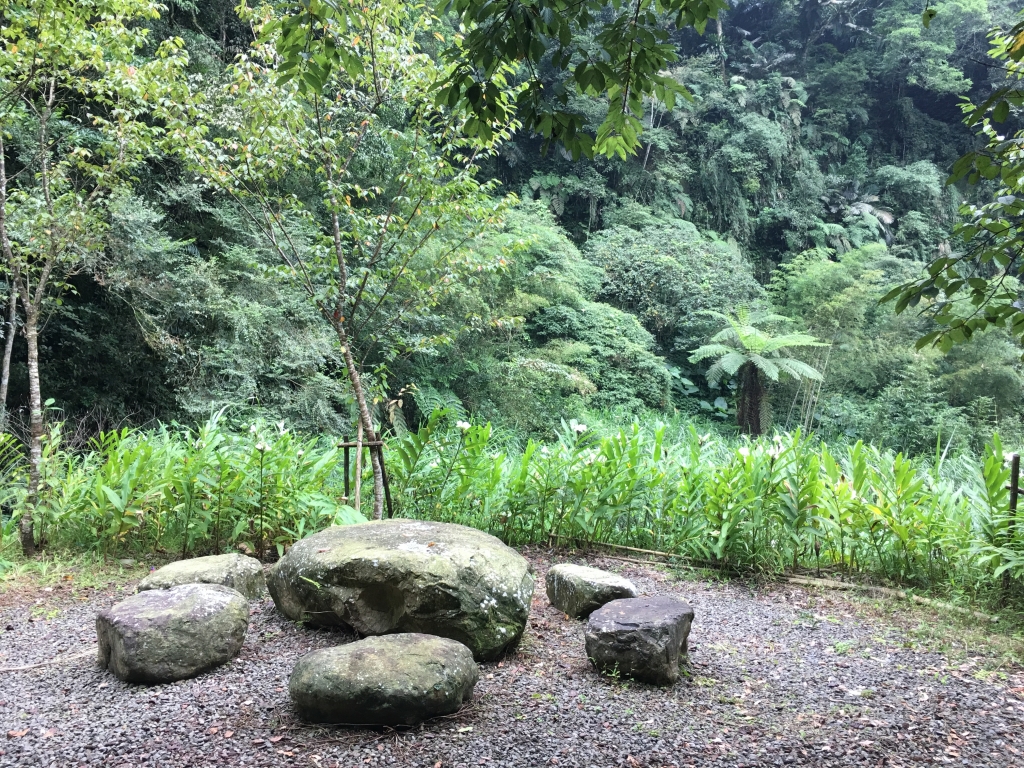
[(408, 576), (387, 680), (239, 572), (163, 635), (579, 590), (640, 637)]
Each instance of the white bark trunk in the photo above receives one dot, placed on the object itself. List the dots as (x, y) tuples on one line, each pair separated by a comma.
[(5, 374), (35, 401)]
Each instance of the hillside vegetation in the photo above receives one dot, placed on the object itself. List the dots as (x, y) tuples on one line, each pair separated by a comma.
[(223, 254)]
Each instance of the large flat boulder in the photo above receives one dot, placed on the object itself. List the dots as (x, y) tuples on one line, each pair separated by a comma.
[(579, 590), (408, 576), (390, 680), (640, 637), (162, 635), (239, 572)]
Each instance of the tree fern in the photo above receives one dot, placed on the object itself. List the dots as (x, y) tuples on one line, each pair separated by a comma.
[(745, 351)]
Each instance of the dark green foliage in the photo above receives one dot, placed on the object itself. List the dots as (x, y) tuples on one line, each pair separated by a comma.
[(609, 347), (538, 347), (229, 330), (976, 286), (96, 360), (670, 277), (912, 416), (806, 176)]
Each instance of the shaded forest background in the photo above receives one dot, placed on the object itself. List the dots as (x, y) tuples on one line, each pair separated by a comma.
[(806, 177)]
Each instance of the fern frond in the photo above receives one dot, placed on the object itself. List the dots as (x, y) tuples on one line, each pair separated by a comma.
[(732, 362), (729, 333), (714, 374), (798, 369), (791, 340), (766, 366), (709, 350)]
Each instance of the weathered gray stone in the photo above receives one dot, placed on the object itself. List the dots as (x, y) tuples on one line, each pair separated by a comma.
[(408, 576), (390, 680), (579, 590), (162, 635), (239, 572), (640, 637)]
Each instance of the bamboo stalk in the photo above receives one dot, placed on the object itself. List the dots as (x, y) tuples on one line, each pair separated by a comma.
[(552, 541), (887, 592), (606, 556)]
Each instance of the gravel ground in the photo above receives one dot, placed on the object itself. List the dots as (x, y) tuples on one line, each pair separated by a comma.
[(776, 677)]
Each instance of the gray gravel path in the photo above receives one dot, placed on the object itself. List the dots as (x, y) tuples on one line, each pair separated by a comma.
[(776, 677)]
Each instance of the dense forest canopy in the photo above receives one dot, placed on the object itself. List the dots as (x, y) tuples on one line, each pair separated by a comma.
[(800, 178)]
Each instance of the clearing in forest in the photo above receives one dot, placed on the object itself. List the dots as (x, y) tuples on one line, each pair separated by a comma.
[(776, 676)]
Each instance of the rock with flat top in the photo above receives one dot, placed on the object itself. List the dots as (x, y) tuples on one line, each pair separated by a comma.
[(579, 590), (392, 576), (162, 635), (640, 637), (390, 680), (239, 572)]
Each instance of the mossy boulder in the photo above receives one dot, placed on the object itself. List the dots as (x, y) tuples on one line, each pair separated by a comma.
[(390, 680), (579, 590), (408, 576), (239, 572), (162, 635)]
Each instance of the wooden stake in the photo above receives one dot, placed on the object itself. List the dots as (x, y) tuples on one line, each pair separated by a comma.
[(346, 468), (359, 465), (384, 477)]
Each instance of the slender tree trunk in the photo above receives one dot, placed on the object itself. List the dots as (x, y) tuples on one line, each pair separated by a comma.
[(338, 321), (815, 392), (364, 416), (647, 152), (28, 543), (31, 301), (5, 373), (12, 307), (721, 48)]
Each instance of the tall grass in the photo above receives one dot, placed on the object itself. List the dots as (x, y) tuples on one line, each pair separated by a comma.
[(754, 506), (183, 492)]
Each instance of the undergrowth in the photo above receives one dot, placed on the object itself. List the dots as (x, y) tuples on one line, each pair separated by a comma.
[(748, 506), (761, 507), (179, 491)]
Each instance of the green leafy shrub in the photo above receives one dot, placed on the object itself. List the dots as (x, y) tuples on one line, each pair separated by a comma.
[(759, 506), (187, 492)]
